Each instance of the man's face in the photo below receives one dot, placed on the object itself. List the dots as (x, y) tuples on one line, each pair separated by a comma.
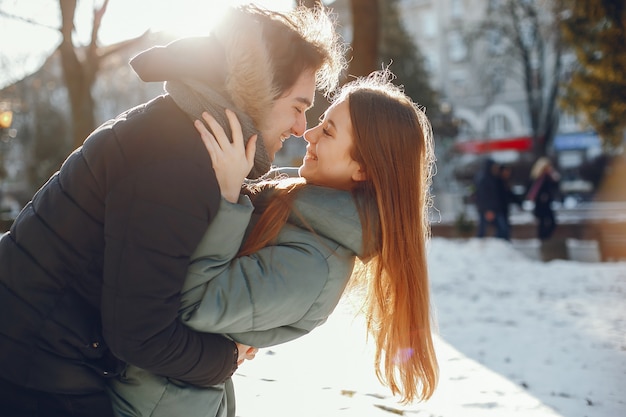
[(287, 116)]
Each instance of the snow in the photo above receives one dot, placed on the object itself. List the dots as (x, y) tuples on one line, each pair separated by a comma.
[(516, 337)]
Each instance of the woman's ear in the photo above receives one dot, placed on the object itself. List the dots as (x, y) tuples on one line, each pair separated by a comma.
[(359, 175)]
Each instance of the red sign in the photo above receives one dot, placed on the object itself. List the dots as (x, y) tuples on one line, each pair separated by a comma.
[(519, 144)]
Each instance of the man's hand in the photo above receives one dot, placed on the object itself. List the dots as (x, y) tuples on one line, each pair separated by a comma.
[(245, 352)]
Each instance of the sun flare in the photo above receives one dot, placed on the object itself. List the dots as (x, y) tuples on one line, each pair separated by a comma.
[(126, 19), (190, 17)]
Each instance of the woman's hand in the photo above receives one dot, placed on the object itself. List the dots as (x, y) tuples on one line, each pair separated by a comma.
[(245, 352), (231, 161)]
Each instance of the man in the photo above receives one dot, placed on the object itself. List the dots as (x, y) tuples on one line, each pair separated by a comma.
[(92, 268), (489, 201)]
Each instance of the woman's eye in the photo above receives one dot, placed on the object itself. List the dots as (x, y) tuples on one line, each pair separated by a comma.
[(325, 132), (298, 110)]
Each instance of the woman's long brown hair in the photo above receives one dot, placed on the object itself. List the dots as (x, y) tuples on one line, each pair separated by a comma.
[(393, 143)]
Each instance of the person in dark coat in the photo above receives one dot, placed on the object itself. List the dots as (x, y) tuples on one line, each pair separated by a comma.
[(92, 268), (489, 201), (508, 197), (542, 192)]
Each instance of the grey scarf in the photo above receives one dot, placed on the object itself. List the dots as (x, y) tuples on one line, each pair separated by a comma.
[(194, 98)]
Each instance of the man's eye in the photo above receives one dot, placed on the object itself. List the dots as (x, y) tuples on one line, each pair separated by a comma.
[(299, 110), (326, 132)]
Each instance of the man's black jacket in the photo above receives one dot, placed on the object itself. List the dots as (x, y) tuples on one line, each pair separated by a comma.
[(91, 270)]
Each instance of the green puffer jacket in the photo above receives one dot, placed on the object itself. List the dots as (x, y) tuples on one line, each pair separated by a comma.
[(273, 296)]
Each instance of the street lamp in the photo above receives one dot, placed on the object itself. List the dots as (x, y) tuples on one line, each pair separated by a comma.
[(6, 117)]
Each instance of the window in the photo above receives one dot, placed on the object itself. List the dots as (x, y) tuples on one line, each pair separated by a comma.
[(568, 122), (456, 9), (496, 79), (458, 82), (498, 126), (495, 42), (431, 62), (429, 24), (494, 5), (457, 49), (528, 32)]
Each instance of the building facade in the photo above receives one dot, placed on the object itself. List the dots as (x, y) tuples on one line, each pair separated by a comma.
[(470, 52), (465, 61)]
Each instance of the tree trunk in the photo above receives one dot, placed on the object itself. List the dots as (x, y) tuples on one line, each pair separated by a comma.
[(365, 27), (80, 75), (76, 79)]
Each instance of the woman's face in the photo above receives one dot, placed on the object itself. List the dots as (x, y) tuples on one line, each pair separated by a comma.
[(328, 161)]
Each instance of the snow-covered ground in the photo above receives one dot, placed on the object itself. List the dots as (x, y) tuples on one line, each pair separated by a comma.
[(517, 337)]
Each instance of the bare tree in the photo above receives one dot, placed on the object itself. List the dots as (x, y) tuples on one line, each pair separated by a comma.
[(529, 40), (79, 74), (80, 70), (14, 63)]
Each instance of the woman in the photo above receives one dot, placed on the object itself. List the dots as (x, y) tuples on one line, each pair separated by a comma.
[(362, 191), (542, 192)]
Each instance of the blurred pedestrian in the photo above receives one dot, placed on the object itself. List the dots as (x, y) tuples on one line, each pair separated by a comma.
[(507, 196), (542, 192), (489, 201)]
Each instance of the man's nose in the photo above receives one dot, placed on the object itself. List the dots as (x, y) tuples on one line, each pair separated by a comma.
[(299, 127)]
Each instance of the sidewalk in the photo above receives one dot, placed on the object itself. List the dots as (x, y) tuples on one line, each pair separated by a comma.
[(325, 374)]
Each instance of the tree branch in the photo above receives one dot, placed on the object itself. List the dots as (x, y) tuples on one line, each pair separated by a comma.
[(27, 20)]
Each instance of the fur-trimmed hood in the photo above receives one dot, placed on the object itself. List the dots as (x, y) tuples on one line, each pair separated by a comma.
[(233, 61), (249, 72)]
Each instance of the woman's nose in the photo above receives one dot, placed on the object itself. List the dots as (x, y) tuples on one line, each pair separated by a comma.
[(309, 135)]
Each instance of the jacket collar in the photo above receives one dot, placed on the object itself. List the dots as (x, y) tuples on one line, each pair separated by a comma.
[(330, 213)]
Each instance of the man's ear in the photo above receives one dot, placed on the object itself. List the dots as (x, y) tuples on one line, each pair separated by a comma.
[(359, 175)]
